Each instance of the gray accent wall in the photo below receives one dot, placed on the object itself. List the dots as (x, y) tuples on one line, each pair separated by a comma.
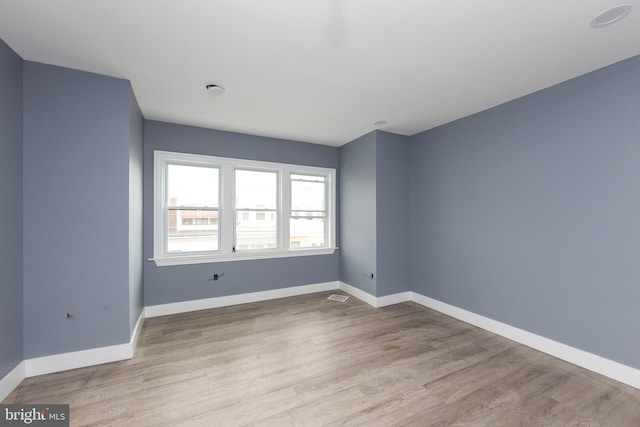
[(169, 284), (529, 213), (11, 306), (392, 213), (77, 155), (358, 213), (374, 213)]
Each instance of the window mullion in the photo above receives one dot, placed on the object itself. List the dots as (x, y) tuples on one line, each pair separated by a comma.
[(330, 210), (285, 209), (227, 209), (161, 167)]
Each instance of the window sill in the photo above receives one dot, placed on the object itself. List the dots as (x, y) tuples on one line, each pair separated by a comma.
[(239, 256)]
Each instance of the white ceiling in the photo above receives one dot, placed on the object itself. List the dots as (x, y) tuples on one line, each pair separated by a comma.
[(322, 71)]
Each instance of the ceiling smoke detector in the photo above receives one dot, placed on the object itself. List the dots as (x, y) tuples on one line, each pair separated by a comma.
[(214, 89), (611, 15)]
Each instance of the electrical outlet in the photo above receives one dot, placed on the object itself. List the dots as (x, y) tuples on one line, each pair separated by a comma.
[(216, 276)]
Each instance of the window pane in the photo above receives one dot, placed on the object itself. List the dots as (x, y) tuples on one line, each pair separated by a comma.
[(307, 196), (307, 226), (307, 233), (256, 230), (256, 189), (192, 186), (192, 230)]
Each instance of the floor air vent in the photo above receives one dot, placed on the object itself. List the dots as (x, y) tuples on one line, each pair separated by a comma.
[(341, 298)]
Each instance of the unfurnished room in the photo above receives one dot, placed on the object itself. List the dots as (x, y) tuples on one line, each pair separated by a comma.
[(319, 213)]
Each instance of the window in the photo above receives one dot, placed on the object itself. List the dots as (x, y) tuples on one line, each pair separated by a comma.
[(307, 224), (209, 209)]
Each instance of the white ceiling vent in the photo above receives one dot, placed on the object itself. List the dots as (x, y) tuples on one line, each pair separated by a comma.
[(611, 15)]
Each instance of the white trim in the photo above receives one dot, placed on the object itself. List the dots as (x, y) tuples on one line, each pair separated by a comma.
[(242, 256), (77, 359), (360, 294), (376, 302), (80, 359), (393, 299), (227, 198), (204, 304), (609, 368), (10, 381), (284, 196), (136, 332)]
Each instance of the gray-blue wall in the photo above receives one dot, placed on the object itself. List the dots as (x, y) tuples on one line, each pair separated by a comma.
[(374, 213), (11, 212), (358, 213), (77, 142), (529, 213), (392, 213), (170, 284), (136, 285)]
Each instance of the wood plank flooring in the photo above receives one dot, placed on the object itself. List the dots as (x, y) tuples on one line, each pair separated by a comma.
[(308, 361)]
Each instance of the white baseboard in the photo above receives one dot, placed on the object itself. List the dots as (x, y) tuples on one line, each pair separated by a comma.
[(393, 299), (77, 359), (136, 332), (361, 295), (374, 301), (80, 359), (204, 304), (609, 368), (10, 381)]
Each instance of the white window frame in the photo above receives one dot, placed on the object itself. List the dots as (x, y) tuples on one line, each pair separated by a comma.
[(226, 217)]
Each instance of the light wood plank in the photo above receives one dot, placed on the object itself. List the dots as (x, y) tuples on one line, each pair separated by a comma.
[(307, 361)]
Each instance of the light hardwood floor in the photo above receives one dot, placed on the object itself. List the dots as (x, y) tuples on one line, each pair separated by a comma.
[(309, 361)]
